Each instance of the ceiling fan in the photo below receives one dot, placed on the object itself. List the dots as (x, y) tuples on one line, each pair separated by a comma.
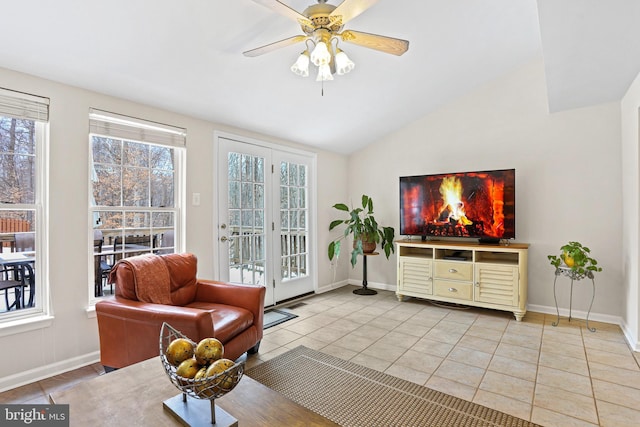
[(322, 25)]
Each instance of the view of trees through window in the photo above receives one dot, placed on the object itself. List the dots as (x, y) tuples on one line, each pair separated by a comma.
[(18, 177), (133, 204), (17, 173), (293, 220), (132, 173)]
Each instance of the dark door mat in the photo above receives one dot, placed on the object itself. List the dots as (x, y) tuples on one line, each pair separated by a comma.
[(275, 317)]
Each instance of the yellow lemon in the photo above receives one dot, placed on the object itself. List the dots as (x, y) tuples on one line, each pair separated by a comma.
[(568, 260)]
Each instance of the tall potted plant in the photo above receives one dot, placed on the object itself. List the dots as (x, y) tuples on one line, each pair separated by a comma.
[(364, 228)]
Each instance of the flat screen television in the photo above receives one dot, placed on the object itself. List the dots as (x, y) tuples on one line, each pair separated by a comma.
[(479, 205)]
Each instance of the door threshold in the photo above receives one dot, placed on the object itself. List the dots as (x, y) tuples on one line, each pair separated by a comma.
[(290, 301)]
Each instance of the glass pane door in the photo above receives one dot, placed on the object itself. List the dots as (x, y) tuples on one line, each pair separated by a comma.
[(264, 219), (293, 214), (294, 231), (243, 234), (246, 218)]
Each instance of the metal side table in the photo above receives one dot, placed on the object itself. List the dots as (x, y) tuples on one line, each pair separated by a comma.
[(574, 276)]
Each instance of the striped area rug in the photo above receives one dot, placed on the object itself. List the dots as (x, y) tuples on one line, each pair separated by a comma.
[(354, 395)]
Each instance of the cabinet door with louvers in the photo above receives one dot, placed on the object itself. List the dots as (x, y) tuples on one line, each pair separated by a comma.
[(496, 284), (415, 276)]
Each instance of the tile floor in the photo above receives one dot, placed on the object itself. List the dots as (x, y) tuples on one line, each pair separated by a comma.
[(553, 376)]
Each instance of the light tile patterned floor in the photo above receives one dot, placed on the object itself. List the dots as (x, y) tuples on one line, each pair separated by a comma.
[(554, 376)]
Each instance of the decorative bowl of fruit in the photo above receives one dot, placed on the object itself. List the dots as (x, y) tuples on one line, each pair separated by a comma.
[(198, 369)]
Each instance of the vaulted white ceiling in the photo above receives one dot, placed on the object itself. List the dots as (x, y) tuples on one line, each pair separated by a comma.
[(187, 57), (591, 50)]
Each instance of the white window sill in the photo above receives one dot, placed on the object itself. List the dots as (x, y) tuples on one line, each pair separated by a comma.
[(91, 312), (26, 324)]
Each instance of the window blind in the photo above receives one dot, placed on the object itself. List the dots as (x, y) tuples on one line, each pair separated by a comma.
[(23, 106), (133, 129)]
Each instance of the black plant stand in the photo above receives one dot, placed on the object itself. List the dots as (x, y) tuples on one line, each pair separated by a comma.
[(364, 290)]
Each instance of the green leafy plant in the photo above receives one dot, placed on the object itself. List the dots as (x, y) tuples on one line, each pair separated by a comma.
[(363, 226), (576, 257)]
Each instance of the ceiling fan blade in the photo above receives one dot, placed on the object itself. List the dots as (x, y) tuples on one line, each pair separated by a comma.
[(349, 9), (273, 46), (284, 10), (377, 42)]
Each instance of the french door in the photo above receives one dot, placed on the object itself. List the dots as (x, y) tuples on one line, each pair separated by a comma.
[(265, 218)]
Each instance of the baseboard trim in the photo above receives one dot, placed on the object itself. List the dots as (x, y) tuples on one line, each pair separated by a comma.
[(578, 314), (374, 285), (332, 286), (47, 371), (635, 345)]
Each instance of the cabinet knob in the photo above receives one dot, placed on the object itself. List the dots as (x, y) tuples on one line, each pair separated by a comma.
[(453, 290), (453, 270)]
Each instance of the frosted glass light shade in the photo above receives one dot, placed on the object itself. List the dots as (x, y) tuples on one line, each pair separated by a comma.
[(320, 55), (301, 66), (343, 63), (324, 73)]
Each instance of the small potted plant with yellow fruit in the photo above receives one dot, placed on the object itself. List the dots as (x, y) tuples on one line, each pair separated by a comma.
[(576, 258)]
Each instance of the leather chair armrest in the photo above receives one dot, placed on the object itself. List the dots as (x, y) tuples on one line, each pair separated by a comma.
[(248, 297), (192, 322)]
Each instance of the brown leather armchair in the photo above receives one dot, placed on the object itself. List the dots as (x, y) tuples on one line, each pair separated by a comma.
[(152, 289)]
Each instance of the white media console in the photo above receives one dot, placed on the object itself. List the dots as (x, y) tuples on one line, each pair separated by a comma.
[(482, 275)]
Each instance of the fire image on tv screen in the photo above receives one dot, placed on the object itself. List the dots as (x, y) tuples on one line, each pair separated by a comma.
[(469, 204)]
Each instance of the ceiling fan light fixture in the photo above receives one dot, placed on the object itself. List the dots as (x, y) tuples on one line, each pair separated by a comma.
[(320, 55), (324, 73), (301, 66), (322, 25), (343, 63)]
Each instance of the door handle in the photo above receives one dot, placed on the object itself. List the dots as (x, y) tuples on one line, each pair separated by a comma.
[(453, 270)]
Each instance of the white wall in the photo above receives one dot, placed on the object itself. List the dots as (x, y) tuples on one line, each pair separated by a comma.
[(630, 240), (568, 178), (333, 189), (72, 338)]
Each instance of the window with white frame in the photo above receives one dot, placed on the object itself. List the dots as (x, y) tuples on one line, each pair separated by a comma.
[(135, 181), (23, 138)]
